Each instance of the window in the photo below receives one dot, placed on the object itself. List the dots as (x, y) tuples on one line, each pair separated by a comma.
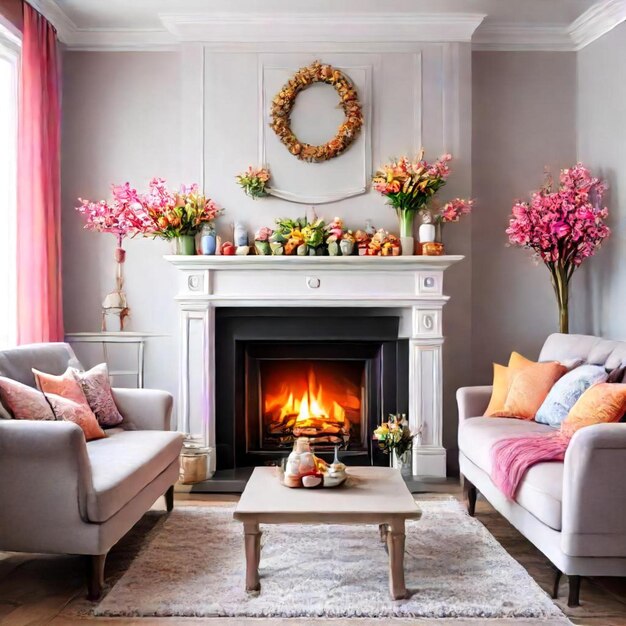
[(9, 66)]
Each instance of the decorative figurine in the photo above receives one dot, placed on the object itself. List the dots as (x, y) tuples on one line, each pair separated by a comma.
[(369, 228), (277, 248), (362, 241), (261, 240), (228, 248), (346, 245), (208, 239), (241, 235), (336, 228), (333, 246), (427, 228)]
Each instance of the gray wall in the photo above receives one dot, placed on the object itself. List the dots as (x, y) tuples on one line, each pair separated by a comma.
[(524, 117), (599, 293), (125, 118), (121, 123)]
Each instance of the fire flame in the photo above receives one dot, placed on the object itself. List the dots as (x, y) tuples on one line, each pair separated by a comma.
[(312, 409)]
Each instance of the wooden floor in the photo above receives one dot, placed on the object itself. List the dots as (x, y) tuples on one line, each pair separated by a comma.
[(37, 589)]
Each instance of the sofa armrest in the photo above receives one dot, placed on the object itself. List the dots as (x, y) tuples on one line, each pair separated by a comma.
[(144, 409), (46, 476), (594, 492), (472, 401)]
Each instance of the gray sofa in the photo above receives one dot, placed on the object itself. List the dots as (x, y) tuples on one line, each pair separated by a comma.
[(573, 511), (61, 495)]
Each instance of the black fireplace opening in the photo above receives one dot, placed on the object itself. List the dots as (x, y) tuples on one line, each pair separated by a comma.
[(329, 375)]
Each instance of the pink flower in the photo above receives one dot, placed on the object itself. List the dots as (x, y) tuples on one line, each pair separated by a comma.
[(561, 229), (452, 211), (566, 224)]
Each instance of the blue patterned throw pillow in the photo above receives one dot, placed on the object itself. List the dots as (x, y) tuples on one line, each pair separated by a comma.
[(566, 391)]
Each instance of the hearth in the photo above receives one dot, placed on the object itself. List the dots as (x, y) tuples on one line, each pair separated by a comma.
[(284, 374)]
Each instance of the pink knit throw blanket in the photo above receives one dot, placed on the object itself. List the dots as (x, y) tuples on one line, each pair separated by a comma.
[(511, 458)]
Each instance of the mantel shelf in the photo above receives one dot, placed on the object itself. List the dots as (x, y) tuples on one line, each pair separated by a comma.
[(261, 262)]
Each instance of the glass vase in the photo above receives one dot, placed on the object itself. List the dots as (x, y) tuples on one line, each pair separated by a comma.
[(439, 231), (407, 217), (402, 462), (560, 282)]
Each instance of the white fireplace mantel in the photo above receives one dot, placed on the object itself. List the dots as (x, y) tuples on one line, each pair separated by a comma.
[(411, 284)]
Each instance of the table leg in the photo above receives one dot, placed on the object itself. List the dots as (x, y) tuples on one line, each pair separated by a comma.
[(395, 548), (253, 555)]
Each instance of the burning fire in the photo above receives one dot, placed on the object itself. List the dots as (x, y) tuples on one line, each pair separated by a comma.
[(308, 409)]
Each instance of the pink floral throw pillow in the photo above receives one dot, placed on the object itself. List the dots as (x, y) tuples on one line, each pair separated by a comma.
[(77, 412), (24, 402), (97, 389)]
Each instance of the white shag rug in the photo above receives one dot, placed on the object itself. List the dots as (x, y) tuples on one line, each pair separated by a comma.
[(454, 568)]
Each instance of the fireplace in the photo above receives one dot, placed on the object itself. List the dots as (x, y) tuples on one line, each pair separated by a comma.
[(230, 304), (332, 387)]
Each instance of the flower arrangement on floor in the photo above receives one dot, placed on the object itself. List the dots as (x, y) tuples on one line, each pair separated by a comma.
[(254, 182), (123, 215), (409, 185), (563, 227), (394, 438), (178, 215)]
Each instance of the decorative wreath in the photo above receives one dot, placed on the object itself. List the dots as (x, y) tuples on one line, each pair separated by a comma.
[(283, 103)]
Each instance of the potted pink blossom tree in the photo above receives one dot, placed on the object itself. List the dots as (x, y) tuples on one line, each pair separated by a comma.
[(563, 227), (121, 216)]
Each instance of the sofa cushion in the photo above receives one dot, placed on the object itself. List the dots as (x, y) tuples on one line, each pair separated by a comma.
[(123, 464), (529, 388), (566, 392), (478, 434), (540, 491)]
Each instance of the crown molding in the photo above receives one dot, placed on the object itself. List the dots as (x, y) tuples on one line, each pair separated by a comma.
[(316, 27), (244, 29), (522, 37), (596, 21), (55, 15)]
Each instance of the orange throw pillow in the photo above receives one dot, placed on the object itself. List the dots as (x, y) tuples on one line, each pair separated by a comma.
[(517, 361), (502, 379), (603, 402), (65, 385), (500, 389), (529, 388), (68, 401)]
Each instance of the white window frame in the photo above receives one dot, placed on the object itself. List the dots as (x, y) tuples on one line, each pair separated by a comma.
[(10, 49)]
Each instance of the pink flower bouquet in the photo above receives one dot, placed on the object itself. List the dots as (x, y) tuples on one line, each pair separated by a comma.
[(563, 227)]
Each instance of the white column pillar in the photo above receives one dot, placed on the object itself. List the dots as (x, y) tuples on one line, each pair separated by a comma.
[(425, 376)]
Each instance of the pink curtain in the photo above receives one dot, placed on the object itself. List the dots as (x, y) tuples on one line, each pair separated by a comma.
[(39, 298)]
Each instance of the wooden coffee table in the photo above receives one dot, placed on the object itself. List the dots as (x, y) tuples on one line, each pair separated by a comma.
[(378, 495)]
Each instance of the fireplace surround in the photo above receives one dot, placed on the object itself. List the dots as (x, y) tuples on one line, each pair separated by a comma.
[(409, 288)]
